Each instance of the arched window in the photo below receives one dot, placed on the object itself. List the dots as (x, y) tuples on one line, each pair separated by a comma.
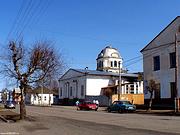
[(119, 63), (111, 64), (101, 63), (115, 63)]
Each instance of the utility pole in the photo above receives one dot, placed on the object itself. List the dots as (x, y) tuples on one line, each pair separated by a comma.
[(42, 92), (119, 91), (176, 101)]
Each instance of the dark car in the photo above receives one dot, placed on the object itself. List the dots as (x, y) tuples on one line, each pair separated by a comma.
[(9, 105), (122, 106), (87, 105)]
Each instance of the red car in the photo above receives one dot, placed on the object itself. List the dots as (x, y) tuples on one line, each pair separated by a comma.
[(87, 105)]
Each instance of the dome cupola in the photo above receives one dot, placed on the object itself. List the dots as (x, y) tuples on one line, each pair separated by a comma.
[(109, 60)]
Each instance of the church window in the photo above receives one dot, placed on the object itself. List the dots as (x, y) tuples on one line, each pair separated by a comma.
[(156, 60), (115, 63), (70, 91), (111, 64), (82, 90), (101, 63)]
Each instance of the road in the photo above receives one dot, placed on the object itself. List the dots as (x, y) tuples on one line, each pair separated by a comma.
[(59, 120)]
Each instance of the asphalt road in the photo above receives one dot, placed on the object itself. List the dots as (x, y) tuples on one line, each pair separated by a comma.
[(68, 121)]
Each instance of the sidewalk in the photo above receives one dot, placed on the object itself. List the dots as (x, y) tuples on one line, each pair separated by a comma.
[(159, 112), (138, 111)]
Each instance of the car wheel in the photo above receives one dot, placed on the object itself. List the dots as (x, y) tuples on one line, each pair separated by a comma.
[(96, 109), (109, 110), (120, 111)]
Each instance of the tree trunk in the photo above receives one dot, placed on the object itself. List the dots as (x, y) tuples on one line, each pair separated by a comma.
[(22, 106), (150, 102)]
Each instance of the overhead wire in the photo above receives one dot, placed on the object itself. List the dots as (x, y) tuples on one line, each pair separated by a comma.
[(42, 11), (29, 17), (23, 17), (28, 13), (25, 21), (34, 16), (148, 55), (15, 21)]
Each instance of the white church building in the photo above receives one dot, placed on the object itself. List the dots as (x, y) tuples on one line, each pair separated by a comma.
[(85, 84)]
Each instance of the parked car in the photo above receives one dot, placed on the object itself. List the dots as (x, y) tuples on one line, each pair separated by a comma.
[(122, 106), (9, 105), (87, 105)]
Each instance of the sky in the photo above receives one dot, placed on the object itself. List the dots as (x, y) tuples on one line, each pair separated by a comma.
[(80, 29)]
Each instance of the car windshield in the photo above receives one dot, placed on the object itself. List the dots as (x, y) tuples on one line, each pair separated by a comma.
[(125, 102), (87, 102)]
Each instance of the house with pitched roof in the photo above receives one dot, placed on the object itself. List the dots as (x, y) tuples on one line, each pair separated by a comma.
[(41, 96), (160, 58)]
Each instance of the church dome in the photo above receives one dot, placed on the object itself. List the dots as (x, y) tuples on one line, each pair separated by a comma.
[(109, 60), (109, 52)]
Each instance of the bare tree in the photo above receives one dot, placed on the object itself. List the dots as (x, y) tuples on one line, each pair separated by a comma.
[(29, 66), (152, 87)]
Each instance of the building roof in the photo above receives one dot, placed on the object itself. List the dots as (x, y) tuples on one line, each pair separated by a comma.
[(40, 90), (109, 52), (159, 34), (102, 73)]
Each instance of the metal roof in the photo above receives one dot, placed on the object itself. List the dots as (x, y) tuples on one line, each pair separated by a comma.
[(103, 73)]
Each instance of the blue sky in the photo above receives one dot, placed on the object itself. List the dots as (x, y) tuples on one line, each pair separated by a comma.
[(82, 28)]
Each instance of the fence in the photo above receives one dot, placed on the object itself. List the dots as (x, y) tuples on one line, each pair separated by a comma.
[(137, 99)]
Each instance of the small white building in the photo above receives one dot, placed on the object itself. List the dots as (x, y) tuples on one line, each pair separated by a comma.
[(87, 84), (159, 62), (42, 99), (40, 96)]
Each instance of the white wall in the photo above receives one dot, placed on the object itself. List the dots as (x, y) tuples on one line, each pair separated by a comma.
[(75, 83), (36, 99), (94, 85)]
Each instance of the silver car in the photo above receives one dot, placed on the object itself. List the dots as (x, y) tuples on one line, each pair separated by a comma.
[(9, 105)]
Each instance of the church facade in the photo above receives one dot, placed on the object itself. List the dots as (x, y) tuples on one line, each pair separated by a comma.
[(87, 84)]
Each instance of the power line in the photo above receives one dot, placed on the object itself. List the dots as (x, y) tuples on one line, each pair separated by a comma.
[(33, 16), (23, 16), (15, 20), (147, 56), (27, 14), (43, 11), (30, 14), (132, 59)]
